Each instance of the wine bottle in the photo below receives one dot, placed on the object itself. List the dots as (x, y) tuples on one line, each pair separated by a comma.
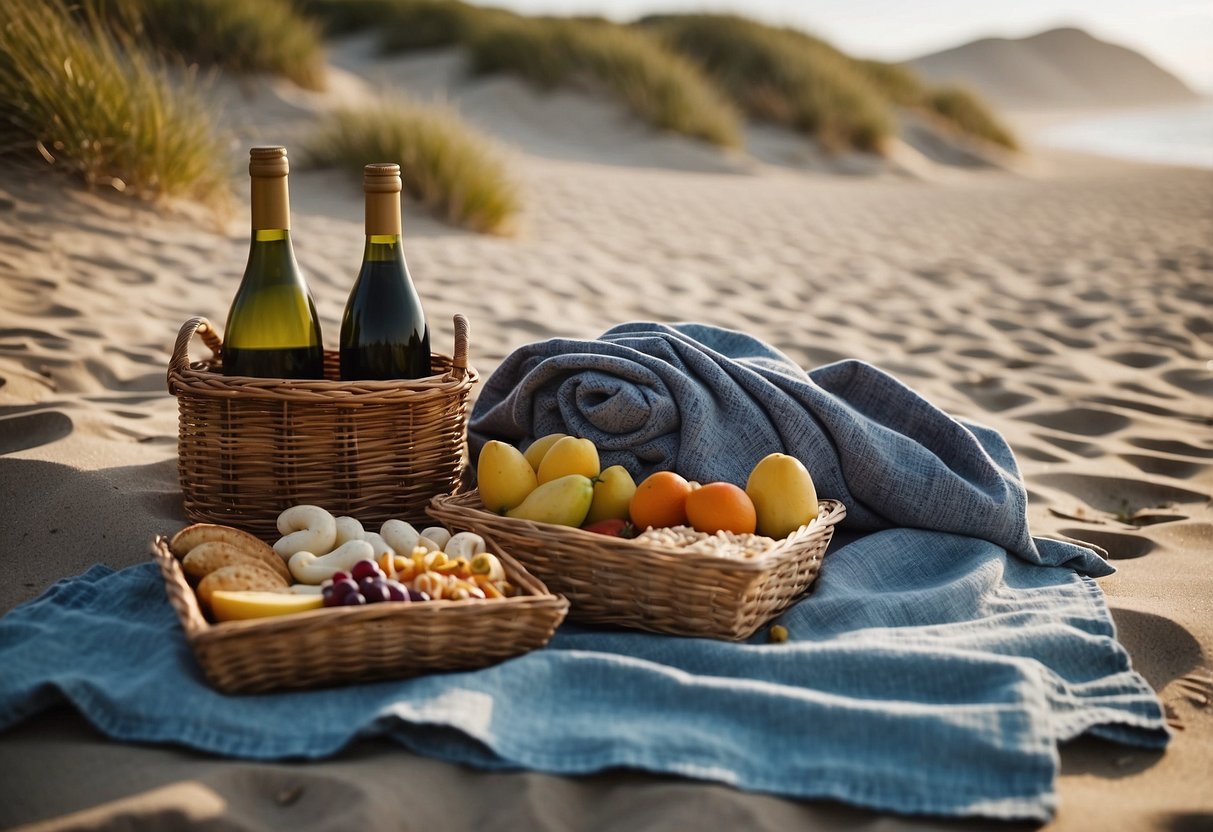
[(384, 334), (272, 328)]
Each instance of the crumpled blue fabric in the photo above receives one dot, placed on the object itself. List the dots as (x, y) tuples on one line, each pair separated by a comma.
[(939, 661), (709, 403)]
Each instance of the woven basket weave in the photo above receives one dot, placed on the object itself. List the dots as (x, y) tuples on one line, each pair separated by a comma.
[(250, 447), (610, 580), (341, 645)]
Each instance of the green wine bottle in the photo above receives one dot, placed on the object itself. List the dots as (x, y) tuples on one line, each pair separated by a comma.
[(384, 334), (272, 329)]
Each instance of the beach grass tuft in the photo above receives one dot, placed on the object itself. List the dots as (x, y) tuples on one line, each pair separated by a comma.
[(76, 89), (237, 36), (971, 115), (444, 163), (783, 76), (662, 88)]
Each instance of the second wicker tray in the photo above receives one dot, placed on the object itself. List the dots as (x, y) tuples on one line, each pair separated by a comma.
[(629, 583), (340, 645)]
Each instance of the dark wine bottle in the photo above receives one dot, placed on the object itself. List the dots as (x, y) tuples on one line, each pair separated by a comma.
[(272, 329), (384, 334)]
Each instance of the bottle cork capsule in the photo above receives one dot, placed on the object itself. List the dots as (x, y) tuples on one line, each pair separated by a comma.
[(382, 185)]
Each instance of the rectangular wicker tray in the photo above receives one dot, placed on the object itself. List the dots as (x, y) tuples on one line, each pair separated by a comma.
[(611, 580), (342, 645)]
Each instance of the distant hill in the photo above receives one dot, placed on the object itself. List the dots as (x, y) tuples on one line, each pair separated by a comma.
[(1055, 69)]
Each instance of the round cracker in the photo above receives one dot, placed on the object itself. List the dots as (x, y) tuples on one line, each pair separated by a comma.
[(189, 538), (240, 576)]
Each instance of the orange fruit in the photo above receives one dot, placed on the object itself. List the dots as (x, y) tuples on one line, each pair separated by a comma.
[(721, 506), (660, 500)]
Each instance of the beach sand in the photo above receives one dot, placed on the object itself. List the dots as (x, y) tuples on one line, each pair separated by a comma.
[(1067, 303)]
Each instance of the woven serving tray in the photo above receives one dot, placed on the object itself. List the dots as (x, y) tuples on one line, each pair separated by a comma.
[(636, 584), (341, 645)]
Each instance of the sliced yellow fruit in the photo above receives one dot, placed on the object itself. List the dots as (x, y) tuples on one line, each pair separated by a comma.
[(238, 605)]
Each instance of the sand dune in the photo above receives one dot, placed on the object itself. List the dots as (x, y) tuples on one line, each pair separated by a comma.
[(1069, 310), (1060, 68)]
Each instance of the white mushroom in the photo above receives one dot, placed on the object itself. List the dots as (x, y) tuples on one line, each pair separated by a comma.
[(306, 529), (308, 568)]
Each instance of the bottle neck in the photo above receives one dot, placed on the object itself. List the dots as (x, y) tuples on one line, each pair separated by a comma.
[(270, 203), (382, 248), (382, 214)]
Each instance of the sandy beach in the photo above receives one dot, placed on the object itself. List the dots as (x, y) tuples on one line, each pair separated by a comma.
[(1066, 301)]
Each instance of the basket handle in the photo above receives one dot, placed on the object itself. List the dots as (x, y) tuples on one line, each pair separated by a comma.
[(459, 361), (180, 362)]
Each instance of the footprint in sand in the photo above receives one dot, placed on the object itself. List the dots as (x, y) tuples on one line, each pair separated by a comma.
[(1084, 421), (31, 430), (1139, 360), (1171, 446), (1118, 545), (1122, 496), (1164, 465)]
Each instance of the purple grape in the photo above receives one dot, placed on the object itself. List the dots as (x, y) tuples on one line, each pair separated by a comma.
[(353, 599), (397, 591), (339, 576), (366, 569), (376, 593), (418, 595)]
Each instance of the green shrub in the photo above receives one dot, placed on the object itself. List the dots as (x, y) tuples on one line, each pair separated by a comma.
[(443, 162), (77, 90), (238, 36), (970, 114), (783, 76)]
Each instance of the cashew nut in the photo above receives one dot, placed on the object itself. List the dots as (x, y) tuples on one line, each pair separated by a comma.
[(465, 544), (487, 564), (348, 528), (306, 529), (400, 535), (438, 535), (380, 545), (311, 569)]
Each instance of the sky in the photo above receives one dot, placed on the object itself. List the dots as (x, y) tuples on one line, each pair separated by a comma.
[(1175, 34)]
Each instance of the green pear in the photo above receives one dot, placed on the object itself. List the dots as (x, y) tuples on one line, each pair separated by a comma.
[(503, 476), (569, 456), (613, 490), (562, 502), (535, 452)]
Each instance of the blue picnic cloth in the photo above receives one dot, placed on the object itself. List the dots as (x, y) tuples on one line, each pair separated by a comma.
[(930, 671)]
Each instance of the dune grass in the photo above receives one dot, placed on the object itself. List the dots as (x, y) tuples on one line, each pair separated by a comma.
[(783, 76), (961, 109), (241, 36), (76, 90), (444, 163), (660, 87), (970, 114), (663, 89)]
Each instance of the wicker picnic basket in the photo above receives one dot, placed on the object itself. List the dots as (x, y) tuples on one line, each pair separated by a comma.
[(340, 645), (630, 583), (250, 447)]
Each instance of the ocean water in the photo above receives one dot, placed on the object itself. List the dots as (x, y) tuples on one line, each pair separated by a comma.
[(1181, 135)]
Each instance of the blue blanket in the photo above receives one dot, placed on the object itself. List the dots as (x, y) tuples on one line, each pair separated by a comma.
[(931, 670)]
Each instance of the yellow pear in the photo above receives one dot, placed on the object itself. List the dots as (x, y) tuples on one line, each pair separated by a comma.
[(534, 454), (503, 476), (613, 490), (240, 605), (783, 494), (563, 501), (569, 456)]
